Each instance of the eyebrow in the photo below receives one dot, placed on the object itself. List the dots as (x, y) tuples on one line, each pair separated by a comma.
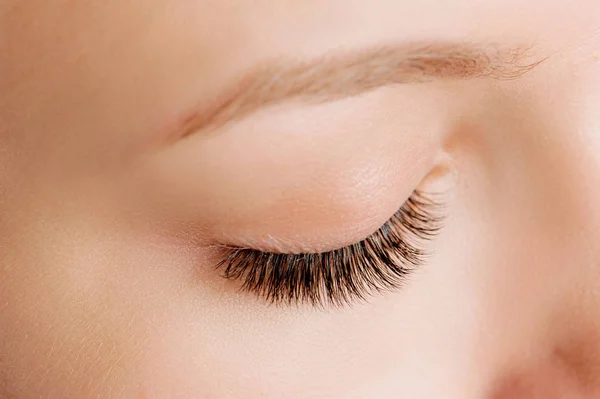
[(333, 77)]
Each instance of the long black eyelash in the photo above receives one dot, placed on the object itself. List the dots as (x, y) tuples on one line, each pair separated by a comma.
[(381, 262)]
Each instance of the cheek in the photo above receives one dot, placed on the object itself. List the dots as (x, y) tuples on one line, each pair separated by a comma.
[(300, 174)]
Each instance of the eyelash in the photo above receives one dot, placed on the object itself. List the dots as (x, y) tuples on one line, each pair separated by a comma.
[(381, 262)]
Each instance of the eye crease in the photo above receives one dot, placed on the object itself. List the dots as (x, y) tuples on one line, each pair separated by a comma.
[(382, 262)]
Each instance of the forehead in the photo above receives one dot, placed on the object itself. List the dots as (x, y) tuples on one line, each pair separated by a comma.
[(196, 38), (256, 27)]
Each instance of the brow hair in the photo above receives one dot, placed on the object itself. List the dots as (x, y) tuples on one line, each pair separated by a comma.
[(351, 73)]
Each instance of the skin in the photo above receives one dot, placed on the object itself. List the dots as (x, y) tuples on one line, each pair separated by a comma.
[(107, 232)]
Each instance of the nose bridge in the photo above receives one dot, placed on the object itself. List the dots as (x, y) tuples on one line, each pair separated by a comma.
[(561, 175)]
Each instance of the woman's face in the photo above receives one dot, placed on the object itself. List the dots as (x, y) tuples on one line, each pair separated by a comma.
[(142, 142)]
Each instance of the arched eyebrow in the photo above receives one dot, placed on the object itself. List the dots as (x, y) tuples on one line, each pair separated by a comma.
[(348, 74)]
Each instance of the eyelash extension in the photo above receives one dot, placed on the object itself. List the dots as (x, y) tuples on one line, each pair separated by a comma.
[(381, 262)]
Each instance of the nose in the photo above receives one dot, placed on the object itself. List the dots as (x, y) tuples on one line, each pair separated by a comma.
[(571, 371), (561, 359)]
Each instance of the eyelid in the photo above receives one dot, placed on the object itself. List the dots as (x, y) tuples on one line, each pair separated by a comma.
[(381, 262)]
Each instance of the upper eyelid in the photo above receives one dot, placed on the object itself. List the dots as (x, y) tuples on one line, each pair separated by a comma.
[(428, 199), (425, 232)]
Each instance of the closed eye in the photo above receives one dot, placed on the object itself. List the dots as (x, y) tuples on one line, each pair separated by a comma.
[(381, 262)]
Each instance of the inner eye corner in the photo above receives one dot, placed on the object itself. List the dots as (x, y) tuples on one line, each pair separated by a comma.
[(440, 179)]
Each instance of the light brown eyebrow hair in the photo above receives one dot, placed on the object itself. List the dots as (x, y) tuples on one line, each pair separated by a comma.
[(333, 77)]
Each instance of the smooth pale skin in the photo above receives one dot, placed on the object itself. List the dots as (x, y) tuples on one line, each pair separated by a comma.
[(107, 280)]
